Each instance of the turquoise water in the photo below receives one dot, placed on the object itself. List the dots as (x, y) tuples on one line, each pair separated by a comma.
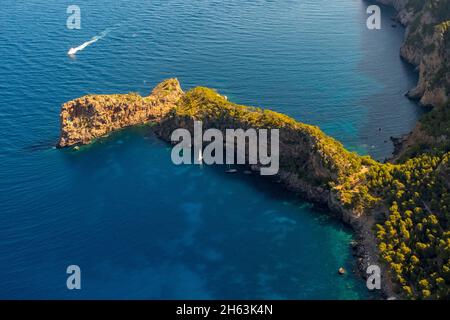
[(140, 227)]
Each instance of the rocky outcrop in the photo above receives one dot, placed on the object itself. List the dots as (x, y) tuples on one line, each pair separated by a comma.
[(312, 164), (93, 116), (414, 143), (432, 59)]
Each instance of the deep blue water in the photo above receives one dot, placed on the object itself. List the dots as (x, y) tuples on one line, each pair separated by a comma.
[(141, 227)]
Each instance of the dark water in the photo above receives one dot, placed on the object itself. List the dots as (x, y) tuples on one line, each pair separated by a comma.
[(141, 227)]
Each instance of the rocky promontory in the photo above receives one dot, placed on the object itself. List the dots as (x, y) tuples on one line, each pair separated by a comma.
[(93, 116), (400, 212), (312, 164), (378, 200)]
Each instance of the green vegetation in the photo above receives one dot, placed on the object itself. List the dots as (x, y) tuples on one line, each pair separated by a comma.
[(416, 5), (415, 236), (423, 31), (412, 203), (432, 135), (441, 8), (215, 110), (437, 124), (411, 200)]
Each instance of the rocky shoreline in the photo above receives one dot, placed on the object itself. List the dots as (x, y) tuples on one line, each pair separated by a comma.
[(425, 48), (312, 165), (310, 161)]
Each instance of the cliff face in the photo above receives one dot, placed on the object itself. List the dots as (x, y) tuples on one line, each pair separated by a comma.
[(426, 46), (89, 117), (407, 202), (309, 159)]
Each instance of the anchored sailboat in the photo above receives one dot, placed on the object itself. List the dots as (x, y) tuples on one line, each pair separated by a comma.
[(231, 170)]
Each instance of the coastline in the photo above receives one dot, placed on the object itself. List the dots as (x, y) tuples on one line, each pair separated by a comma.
[(311, 162), (425, 50), (360, 219)]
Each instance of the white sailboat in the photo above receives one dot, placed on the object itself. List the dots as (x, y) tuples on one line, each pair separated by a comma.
[(231, 170)]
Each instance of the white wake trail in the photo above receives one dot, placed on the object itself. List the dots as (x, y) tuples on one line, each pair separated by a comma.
[(73, 51)]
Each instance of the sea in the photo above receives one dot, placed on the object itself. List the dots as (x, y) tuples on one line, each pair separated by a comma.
[(140, 227)]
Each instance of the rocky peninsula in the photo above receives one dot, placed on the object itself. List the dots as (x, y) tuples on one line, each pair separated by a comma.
[(400, 211), (356, 189), (93, 116)]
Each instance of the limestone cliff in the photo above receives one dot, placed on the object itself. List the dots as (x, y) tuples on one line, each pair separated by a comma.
[(89, 117), (427, 46)]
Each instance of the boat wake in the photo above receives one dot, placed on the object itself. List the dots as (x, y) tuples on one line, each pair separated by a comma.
[(73, 51)]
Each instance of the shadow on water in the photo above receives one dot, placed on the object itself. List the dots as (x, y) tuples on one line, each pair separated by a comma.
[(103, 150), (41, 145), (269, 186)]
